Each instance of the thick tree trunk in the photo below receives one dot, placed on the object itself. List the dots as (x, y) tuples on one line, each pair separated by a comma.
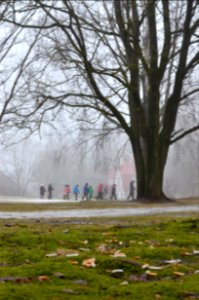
[(150, 172)]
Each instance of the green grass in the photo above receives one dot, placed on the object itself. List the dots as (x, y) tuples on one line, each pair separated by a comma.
[(25, 245), (88, 205)]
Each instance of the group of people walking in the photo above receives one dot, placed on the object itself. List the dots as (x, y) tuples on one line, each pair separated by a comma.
[(103, 191), (88, 191)]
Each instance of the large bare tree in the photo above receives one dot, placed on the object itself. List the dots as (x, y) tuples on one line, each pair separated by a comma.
[(117, 65)]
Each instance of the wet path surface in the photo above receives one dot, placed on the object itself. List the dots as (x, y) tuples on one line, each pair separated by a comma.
[(107, 212)]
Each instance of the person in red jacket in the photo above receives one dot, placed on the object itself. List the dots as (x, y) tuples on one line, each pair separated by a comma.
[(100, 191)]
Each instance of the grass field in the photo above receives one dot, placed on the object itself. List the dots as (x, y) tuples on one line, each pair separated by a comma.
[(88, 205), (120, 258)]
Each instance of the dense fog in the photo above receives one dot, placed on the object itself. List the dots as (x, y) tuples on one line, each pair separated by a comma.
[(60, 160)]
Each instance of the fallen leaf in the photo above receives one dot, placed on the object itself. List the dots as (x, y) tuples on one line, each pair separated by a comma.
[(147, 266), (70, 291), (85, 242), (187, 253), (59, 275), (179, 274), (153, 274), (51, 254), (23, 279), (124, 283), (62, 252), (72, 254), (172, 261), (117, 271), (67, 252), (118, 254), (28, 261), (169, 240), (102, 248), (89, 263), (81, 281), (107, 233), (112, 250), (84, 249), (156, 267), (73, 262), (43, 278), (196, 252), (137, 257)]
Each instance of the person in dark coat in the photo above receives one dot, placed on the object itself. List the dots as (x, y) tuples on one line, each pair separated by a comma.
[(42, 191), (85, 192), (50, 191), (131, 190), (113, 192)]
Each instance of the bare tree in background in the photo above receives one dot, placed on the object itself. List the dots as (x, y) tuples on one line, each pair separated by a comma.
[(18, 167), (116, 65)]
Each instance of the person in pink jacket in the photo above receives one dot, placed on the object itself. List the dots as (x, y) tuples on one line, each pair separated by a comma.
[(67, 191)]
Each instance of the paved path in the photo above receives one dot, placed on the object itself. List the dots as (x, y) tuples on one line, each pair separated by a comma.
[(108, 212)]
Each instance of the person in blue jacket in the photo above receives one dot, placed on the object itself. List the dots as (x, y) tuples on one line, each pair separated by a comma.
[(76, 191)]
